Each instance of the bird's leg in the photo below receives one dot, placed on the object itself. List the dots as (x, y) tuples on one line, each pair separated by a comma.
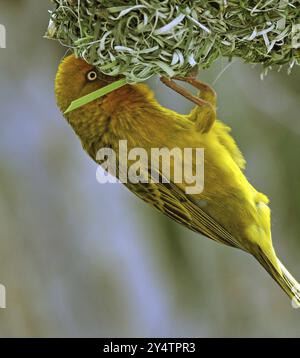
[(204, 116), (206, 92), (185, 93)]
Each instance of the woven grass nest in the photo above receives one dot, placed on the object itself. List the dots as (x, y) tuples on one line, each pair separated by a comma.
[(142, 38)]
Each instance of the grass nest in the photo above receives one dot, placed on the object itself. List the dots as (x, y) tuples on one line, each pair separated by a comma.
[(142, 38)]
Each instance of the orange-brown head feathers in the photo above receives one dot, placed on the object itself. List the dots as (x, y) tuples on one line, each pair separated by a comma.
[(76, 78)]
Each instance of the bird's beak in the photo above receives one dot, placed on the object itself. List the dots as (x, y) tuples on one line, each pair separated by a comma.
[(96, 94)]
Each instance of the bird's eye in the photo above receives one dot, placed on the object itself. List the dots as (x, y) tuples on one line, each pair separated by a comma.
[(92, 76)]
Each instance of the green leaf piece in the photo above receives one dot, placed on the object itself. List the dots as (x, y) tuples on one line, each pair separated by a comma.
[(95, 95)]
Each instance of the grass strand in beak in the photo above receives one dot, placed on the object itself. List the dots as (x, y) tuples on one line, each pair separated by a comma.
[(95, 95)]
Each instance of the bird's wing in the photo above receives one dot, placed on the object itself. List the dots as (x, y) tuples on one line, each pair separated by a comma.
[(223, 133), (169, 199)]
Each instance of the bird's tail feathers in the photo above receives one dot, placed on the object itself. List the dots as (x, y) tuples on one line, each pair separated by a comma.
[(282, 276)]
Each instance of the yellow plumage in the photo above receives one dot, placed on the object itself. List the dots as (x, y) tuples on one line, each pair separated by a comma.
[(229, 210)]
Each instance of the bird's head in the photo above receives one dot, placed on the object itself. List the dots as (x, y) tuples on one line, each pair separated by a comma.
[(76, 78)]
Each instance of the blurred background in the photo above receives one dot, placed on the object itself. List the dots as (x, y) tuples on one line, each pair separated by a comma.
[(82, 259)]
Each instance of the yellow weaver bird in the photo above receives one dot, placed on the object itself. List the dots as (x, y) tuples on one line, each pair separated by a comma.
[(234, 213)]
